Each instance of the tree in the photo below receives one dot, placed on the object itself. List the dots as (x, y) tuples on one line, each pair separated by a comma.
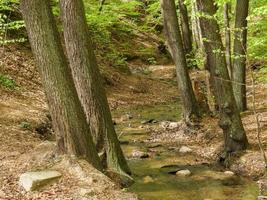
[(88, 82), (196, 27), (240, 48), (186, 31), (174, 40), (69, 120), (227, 8), (234, 134)]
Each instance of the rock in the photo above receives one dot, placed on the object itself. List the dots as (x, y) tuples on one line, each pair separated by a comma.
[(139, 154), (173, 125), (126, 117), (170, 125), (164, 124), (262, 197), (154, 145), (185, 149), (229, 173), (149, 121), (148, 179), (184, 172), (33, 180), (170, 169)]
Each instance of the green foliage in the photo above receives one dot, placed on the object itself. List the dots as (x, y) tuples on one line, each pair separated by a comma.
[(257, 41), (153, 15), (261, 75), (7, 82), (152, 61), (115, 16), (8, 24), (26, 125)]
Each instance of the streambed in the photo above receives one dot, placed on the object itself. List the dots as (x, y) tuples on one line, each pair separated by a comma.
[(206, 182)]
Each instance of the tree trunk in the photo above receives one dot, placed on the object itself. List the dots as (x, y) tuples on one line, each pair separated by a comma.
[(240, 48), (186, 31), (230, 121), (227, 8), (172, 31), (89, 84), (69, 120), (196, 30)]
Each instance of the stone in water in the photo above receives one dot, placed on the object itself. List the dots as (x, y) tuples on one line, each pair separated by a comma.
[(184, 172)]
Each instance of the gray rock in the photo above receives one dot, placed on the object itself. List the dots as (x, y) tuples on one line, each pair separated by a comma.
[(173, 125), (33, 180), (184, 172), (229, 173), (139, 154), (185, 149), (170, 169)]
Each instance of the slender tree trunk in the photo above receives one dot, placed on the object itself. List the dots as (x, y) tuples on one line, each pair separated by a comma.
[(240, 48), (69, 120), (186, 31), (227, 8), (174, 40), (88, 83), (196, 30), (230, 121)]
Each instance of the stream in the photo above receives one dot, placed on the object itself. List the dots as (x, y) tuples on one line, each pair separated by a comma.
[(153, 180)]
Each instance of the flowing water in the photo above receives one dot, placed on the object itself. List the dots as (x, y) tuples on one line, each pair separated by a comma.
[(207, 182)]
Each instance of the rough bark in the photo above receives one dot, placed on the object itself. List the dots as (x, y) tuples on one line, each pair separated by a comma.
[(69, 120), (227, 10), (88, 82), (240, 48), (185, 27), (230, 121), (174, 40)]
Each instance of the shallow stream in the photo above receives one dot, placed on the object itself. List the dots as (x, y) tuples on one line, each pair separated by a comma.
[(152, 182)]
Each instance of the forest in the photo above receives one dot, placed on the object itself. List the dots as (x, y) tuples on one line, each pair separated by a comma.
[(133, 99)]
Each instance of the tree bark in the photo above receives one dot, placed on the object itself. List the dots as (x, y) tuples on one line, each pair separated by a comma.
[(227, 8), (88, 82), (230, 121), (69, 120), (196, 30), (240, 48), (174, 40), (186, 31)]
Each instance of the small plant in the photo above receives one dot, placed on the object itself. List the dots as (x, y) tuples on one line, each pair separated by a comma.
[(152, 61), (26, 125), (7, 82)]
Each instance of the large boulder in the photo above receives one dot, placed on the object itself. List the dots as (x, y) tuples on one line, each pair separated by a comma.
[(33, 180)]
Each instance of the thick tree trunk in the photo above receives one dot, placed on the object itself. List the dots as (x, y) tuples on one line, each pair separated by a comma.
[(240, 48), (186, 31), (230, 121), (69, 120), (227, 8), (174, 40), (88, 83)]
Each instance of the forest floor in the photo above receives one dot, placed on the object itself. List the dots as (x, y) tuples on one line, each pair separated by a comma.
[(23, 113)]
